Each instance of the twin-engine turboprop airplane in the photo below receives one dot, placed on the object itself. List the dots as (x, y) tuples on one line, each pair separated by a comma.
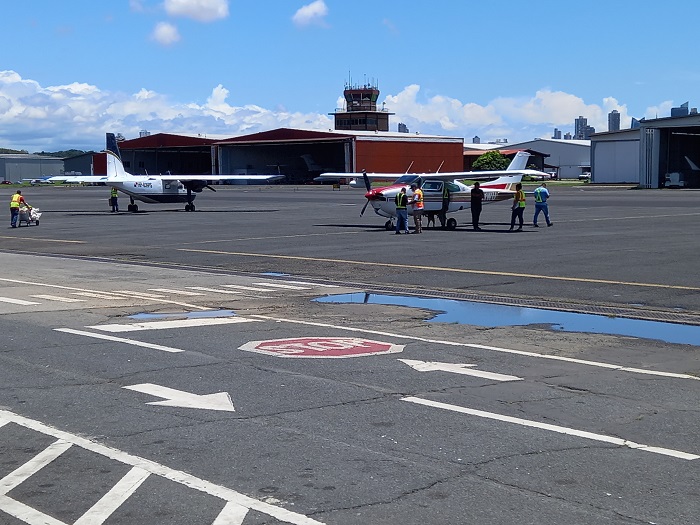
[(356, 180), (156, 189), (382, 199)]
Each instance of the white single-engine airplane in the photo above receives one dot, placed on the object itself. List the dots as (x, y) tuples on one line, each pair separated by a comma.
[(155, 189), (382, 199), (516, 167)]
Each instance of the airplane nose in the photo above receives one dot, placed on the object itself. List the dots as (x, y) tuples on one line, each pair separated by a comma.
[(373, 195)]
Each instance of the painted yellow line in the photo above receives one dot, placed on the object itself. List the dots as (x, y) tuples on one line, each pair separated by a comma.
[(40, 239), (444, 269)]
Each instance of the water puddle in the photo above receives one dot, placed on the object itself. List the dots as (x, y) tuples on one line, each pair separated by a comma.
[(493, 315), (185, 315)]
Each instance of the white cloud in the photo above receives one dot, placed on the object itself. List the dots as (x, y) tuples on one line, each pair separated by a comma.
[(200, 10), (165, 34), (661, 110), (311, 14), (77, 115)]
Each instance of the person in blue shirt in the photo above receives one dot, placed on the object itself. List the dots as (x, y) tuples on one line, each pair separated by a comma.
[(541, 197)]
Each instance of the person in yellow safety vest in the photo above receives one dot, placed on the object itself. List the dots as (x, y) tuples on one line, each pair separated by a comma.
[(518, 207), (114, 199), (16, 203), (417, 201), (401, 201)]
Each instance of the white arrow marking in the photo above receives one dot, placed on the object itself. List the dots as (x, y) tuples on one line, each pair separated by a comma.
[(179, 398), (455, 368)]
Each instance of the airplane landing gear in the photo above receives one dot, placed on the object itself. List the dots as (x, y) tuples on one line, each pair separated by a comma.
[(189, 206), (388, 225), (132, 205), (451, 223)]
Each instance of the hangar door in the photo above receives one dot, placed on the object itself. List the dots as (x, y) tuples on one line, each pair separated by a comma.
[(615, 161)]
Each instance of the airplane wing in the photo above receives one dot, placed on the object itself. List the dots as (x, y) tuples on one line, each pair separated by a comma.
[(73, 179), (184, 178), (334, 177)]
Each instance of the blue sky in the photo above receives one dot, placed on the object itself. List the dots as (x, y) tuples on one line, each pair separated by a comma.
[(72, 70)]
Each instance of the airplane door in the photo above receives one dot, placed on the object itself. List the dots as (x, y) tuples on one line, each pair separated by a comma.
[(432, 195)]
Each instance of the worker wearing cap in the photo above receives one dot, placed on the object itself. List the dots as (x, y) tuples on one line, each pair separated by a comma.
[(15, 203), (417, 202)]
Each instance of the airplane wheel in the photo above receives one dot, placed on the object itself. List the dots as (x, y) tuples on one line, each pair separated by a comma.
[(451, 223), (189, 207), (388, 226), (37, 223)]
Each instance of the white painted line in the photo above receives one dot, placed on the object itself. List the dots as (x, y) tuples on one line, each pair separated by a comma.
[(58, 298), (285, 286), (457, 368), (215, 290), (553, 428), (599, 364), (157, 469), (119, 340), (180, 398), (174, 323), (247, 288), (314, 284), (138, 294), (176, 292), (100, 294), (96, 295), (25, 513), (232, 514), (117, 495), (34, 465), (17, 301)]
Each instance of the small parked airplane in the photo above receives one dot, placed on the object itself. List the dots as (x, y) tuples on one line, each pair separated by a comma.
[(516, 167), (382, 199), (156, 189)]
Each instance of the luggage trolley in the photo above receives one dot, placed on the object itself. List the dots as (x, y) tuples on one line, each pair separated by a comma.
[(28, 216)]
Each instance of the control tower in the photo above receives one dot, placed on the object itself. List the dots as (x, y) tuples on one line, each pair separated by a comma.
[(360, 112)]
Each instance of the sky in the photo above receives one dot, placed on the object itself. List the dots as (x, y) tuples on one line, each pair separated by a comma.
[(72, 70)]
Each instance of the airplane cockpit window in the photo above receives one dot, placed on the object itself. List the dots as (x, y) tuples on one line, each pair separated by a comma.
[(432, 185), (452, 187)]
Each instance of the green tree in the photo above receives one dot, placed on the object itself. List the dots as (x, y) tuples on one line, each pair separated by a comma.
[(491, 160)]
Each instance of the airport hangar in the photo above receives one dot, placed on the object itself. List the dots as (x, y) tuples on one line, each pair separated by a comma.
[(568, 159), (15, 167), (663, 152), (299, 154)]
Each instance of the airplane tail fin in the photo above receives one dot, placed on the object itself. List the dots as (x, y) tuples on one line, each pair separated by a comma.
[(115, 168), (519, 161)]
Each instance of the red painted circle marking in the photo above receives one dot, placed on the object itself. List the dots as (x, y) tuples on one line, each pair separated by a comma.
[(321, 347)]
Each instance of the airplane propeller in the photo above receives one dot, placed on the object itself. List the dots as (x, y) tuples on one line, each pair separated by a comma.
[(364, 208), (368, 185)]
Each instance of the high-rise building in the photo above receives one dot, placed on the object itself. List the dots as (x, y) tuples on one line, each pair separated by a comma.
[(580, 127), (557, 134), (680, 111), (403, 128), (567, 136), (614, 120), (476, 140)]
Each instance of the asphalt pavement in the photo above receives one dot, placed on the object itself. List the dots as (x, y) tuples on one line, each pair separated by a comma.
[(176, 367)]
